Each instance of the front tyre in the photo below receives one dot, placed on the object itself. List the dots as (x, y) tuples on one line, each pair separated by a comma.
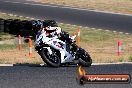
[(84, 58), (51, 60)]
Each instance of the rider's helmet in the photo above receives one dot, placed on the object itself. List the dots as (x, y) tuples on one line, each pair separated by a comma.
[(36, 26), (50, 26)]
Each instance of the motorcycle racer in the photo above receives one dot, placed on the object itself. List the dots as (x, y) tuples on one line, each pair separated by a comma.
[(54, 30), (51, 29), (57, 47)]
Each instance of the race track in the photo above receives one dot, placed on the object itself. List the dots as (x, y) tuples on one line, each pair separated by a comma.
[(114, 22), (32, 76)]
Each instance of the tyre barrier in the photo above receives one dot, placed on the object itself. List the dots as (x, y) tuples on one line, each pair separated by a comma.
[(2, 25), (24, 28), (14, 27), (7, 23)]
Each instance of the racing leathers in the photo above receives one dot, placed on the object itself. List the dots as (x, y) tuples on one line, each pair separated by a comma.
[(62, 35)]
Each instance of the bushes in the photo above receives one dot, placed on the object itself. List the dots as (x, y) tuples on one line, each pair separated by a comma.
[(120, 59), (130, 59)]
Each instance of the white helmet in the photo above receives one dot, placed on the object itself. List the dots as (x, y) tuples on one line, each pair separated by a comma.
[(50, 29)]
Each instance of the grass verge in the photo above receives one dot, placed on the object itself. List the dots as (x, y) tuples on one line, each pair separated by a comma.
[(10, 16), (102, 45), (120, 6)]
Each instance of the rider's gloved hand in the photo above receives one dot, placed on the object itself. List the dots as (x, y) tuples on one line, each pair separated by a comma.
[(71, 40)]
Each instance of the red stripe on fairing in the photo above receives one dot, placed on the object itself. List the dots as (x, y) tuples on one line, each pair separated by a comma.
[(59, 46)]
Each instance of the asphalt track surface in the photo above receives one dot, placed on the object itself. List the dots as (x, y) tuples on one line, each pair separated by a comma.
[(32, 76), (114, 22)]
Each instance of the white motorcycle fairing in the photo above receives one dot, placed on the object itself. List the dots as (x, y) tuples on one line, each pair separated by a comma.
[(57, 44)]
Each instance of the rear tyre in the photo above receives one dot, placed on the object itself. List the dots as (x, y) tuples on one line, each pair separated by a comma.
[(51, 60)]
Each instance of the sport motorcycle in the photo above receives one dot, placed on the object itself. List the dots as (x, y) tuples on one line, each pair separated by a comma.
[(56, 52)]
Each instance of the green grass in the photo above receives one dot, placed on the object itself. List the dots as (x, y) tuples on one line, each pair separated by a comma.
[(130, 59), (120, 59), (5, 16), (93, 35), (7, 46), (2, 33), (120, 6), (12, 46), (5, 36), (102, 45)]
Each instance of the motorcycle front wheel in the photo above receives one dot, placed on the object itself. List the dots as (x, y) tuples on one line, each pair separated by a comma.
[(51, 60)]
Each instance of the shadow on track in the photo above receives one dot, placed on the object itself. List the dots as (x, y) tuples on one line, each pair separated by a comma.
[(43, 65)]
